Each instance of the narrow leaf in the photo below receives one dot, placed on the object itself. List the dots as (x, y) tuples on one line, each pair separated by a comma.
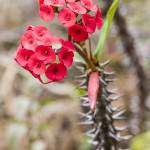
[(106, 28)]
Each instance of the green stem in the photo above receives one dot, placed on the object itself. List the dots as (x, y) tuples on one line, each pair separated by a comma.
[(85, 57)]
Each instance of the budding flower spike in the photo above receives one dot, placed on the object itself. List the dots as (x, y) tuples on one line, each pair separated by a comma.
[(93, 89), (81, 18), (38, 54)]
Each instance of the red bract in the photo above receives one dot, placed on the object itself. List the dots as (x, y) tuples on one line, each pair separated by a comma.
[(23, 56), (93, 89), (56, 3), (67, 17), (98, 18), (76, 7), (28, 40), (46, 12), (56, 72), (78, 33), (68, 45), (70, 1), (40, 31), (89, 23), (66, 57), (45, 49), (89, 5), (37, 66), (71, 12), (45, 53), (41, 1)]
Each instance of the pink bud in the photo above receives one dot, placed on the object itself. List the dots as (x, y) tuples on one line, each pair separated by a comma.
[(93, 89)]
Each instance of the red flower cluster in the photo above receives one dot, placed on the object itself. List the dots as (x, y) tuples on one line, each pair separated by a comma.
[(42, 54), (75, 15)]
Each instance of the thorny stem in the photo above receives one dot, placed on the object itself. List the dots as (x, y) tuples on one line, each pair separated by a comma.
[(129, 47), (85, 57)]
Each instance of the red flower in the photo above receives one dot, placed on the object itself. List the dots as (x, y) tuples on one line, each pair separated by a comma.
[(68, 45), (40, 31), (46, 13), (76, 7), (45, 53), (23, 56), (99, 20), (28, 40), (41, 2), (66, 57), (78, 33), (57, 3), (89, 23), (67, 17), (56, 72), (93, 89), (40, 59), (70, 1), (36, 66), (89, 5)]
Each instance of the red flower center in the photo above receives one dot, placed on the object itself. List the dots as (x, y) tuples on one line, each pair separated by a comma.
[(68, 17), (55, 71), (48, 11), (26, 57), (46, 52), (78, 31), (38, 65)]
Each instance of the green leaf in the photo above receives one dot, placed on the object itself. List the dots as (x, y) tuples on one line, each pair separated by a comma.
[(106, 28), (141, 142)]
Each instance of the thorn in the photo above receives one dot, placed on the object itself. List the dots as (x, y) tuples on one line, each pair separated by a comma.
[(80, 68), (90, 135), (126, 137), (108, 117), (118, 114), (103, 82), (85, 105), (121, 128), (95, 143), (85, 96), (112, 91), (114, 136), (88, 115), (110, 80), (103, 64), (124, 149), (86, 123), (83, 83), (108, 73), (84, 99), (91, 131), (112, 129), (81, 76), (109, 109), (114, 97), (117, 109)]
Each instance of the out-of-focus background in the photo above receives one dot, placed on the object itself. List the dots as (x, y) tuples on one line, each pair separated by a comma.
[(44, 117)]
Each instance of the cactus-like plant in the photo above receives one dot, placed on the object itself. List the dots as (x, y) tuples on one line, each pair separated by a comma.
[(102, 122)]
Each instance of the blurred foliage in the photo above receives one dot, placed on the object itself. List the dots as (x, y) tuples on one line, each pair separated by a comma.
[(84, 143), (141, 142)]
